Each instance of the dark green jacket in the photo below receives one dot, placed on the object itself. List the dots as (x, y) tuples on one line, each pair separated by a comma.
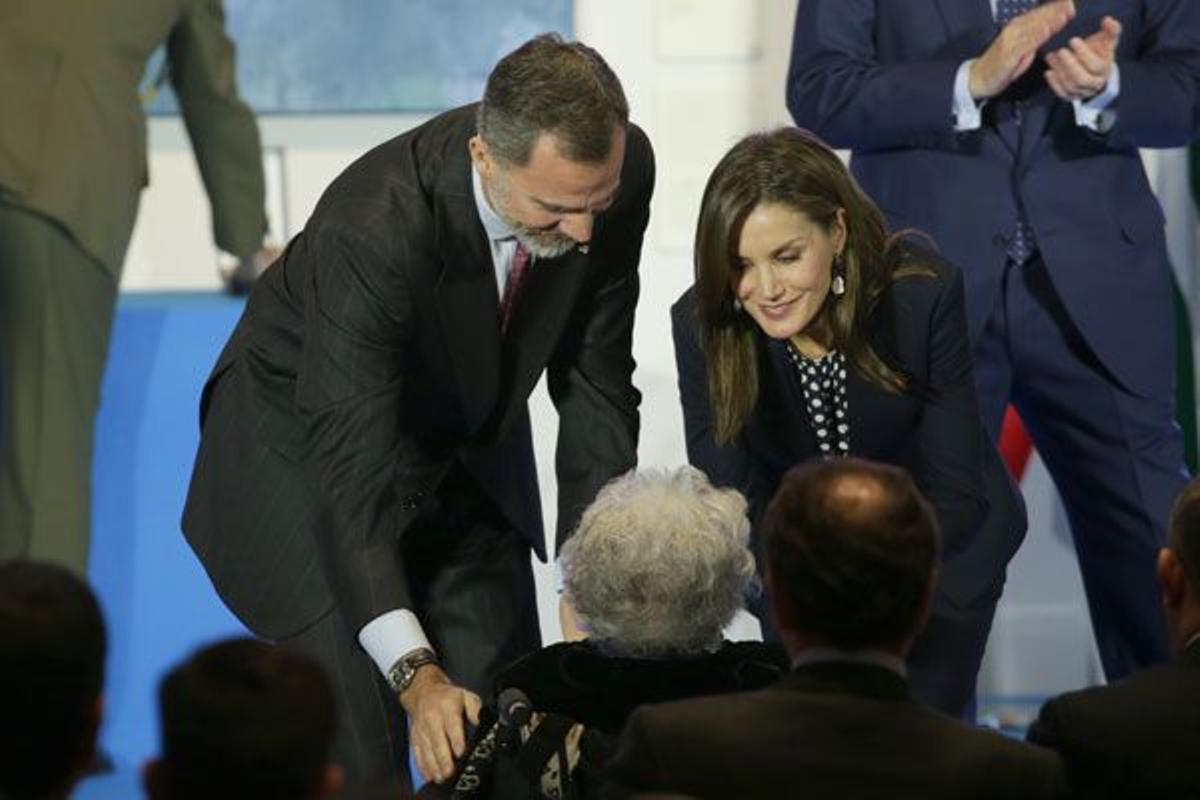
[(73, 136)]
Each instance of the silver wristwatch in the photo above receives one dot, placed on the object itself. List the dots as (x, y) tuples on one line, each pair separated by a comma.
[(404, 671)]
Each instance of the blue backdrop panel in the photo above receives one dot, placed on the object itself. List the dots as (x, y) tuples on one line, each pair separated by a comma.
[(157, 599)]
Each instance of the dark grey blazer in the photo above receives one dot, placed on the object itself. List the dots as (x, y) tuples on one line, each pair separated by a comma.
[(934, 431), (1136, 738), (369, 360), (828, 730)]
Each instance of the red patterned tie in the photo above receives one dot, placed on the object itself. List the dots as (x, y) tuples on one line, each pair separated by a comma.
[(512, 288)]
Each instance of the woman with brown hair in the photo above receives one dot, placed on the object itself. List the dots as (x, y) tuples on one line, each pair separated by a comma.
[(811, 331)]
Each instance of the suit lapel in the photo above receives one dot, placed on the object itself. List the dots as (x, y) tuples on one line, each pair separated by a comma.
[(787, 435), (547, 299), (1039, 111), (466, 295), (969, 24)]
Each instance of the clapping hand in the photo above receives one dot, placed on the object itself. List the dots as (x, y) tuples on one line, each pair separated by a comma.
[(1012, 52), (1082, 69)]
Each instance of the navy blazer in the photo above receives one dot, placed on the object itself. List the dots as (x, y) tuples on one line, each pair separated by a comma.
[(877, 78), (934, 430)]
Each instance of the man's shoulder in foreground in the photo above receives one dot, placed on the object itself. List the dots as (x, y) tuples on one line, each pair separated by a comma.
[(1142, 733), (834, 741)]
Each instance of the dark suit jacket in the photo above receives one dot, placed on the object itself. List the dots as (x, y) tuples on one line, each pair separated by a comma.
[(369, 360), (828, 730), (877, 78), (1136, 738), (934, 431), (73, 137)]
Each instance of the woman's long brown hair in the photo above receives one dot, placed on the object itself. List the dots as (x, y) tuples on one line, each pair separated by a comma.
[(793, 168)]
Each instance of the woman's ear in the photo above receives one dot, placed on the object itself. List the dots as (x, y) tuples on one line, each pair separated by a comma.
[(839, 232)]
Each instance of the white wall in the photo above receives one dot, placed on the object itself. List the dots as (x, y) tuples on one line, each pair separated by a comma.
[(699, 74)]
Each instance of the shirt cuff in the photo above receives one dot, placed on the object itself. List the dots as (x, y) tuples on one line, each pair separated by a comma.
[(966, 110), (1095, 113), (390, 636)]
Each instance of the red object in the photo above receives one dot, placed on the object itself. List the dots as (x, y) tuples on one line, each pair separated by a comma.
[(1015, 445), (512, 288)]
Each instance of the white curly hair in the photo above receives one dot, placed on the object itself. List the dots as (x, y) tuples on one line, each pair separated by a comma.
[(659, 563)]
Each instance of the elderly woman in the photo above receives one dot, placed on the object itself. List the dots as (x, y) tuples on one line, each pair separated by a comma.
[(811, 332), (657, 568)]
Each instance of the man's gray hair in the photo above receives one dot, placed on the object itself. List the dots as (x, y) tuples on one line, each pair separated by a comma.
[(549, 85), (659, 563)]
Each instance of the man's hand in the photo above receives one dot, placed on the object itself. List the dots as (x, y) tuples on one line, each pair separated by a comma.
[(1081, 70), (435, 709), (1015, 49), (240, 277)]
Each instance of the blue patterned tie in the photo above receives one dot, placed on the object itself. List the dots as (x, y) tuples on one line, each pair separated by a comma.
[(1022, 244)]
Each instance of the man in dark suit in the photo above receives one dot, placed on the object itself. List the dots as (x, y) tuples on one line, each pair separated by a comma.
[(365, 485), (52, 650), (72, 167), (850, 568), (1009, 131), (1141, 737)]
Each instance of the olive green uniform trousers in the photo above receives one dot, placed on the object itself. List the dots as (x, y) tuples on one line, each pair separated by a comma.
[(56, 313)]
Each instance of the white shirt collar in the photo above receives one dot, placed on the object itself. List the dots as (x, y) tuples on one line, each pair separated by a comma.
[(496, 227)]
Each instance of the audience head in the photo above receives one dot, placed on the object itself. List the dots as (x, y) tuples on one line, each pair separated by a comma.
[(659, 564), (851, 556), (1179, 567), (245, 719), (52, 650), (550, 142), (787, 246)]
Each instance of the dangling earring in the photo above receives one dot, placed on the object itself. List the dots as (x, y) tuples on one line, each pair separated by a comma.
[(737, 305), (838, 285)]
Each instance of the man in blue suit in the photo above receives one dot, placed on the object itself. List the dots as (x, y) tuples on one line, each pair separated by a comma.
[(1009, 131)]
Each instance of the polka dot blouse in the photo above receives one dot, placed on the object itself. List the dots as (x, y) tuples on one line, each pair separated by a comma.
[(824, 383)]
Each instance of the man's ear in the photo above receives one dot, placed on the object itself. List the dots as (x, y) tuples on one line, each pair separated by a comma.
[(152, 779), (332, 781), (1171, 578), (88, 760), (481, 157)]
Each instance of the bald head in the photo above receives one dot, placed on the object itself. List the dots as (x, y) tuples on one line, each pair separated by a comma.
[(851, 553)]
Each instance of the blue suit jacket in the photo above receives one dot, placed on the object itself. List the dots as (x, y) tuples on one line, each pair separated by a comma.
[(877, 78)]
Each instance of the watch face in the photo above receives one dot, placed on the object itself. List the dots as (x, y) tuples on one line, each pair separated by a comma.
[(401, 675)]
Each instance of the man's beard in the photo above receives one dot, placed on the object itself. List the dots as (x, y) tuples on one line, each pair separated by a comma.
[(539, 243)]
